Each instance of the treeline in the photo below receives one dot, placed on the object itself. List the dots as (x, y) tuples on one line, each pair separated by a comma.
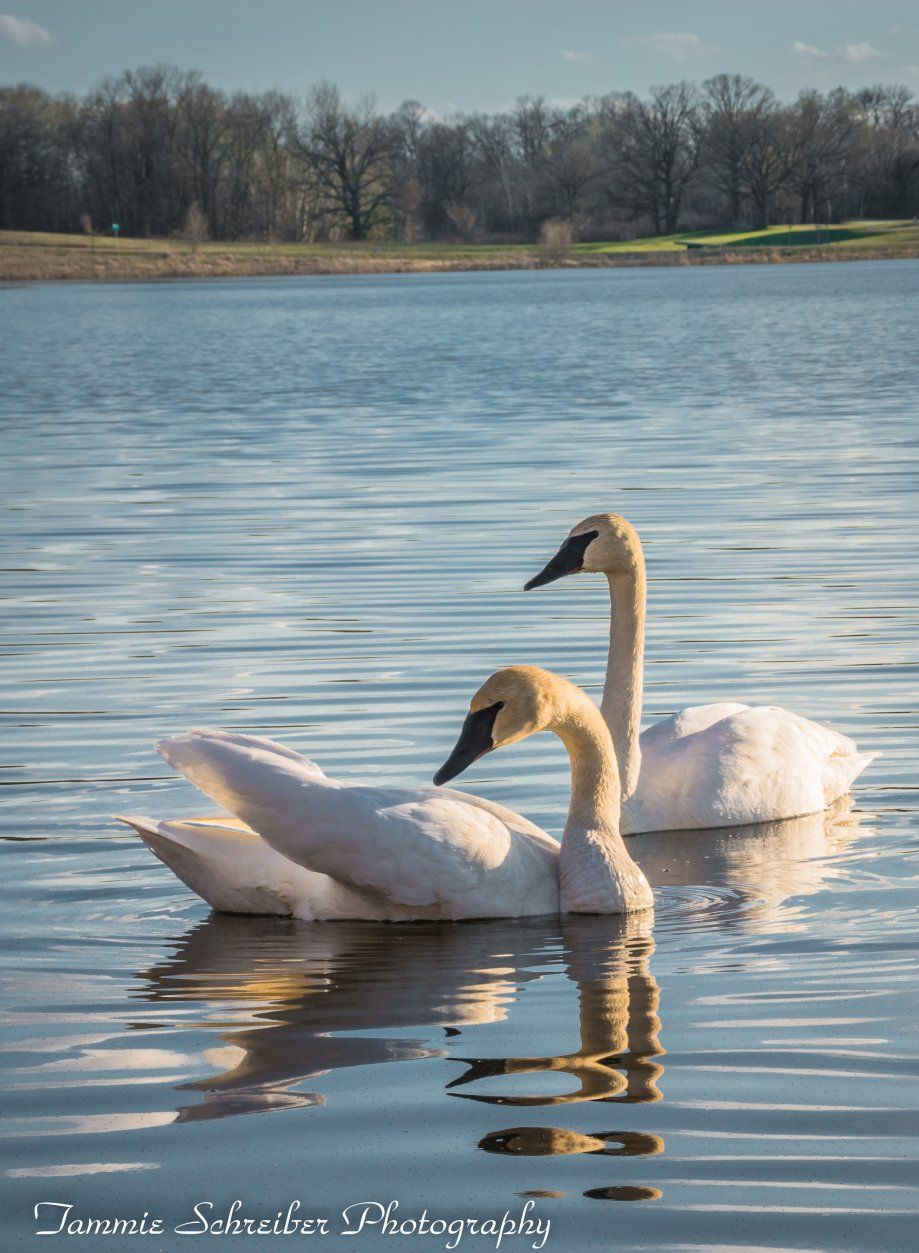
[(160, 152)]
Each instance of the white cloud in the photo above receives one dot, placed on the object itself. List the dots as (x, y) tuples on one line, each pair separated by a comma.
[(21, 31), (676, 44), (863, 51), (571, 55), (809, 51), (854, 53)]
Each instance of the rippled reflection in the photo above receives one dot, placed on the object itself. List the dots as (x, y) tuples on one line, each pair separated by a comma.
[(558, 1141), (618, 1023), (624, 1192), (742, 877), (302, 986)]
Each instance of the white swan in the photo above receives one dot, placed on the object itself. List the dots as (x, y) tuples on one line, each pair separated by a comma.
[(711, 765), (318, 848)]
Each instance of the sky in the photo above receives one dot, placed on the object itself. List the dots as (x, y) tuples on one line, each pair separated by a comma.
[(464, 55)]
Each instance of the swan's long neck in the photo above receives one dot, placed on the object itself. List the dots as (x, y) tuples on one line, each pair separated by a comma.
[(596, 873), (622, 691)]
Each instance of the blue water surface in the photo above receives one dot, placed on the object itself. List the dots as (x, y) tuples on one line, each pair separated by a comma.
[(306, 508)]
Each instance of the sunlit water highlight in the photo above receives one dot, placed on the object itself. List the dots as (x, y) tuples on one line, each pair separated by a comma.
[(307, 508)]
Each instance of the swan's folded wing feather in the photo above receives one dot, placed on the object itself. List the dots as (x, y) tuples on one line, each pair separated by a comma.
[(515, 823), (754, 764), (425, 848), (259, 743), (783, 765), (417, 847)]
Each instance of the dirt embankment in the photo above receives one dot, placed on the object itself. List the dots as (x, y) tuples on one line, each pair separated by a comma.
[(31, 263)]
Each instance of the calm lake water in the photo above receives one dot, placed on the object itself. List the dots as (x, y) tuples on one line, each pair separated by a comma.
[(306, 508)]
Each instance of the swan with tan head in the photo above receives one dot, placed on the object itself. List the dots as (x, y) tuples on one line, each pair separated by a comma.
[(596, 875), (718, 765), (317, 848)]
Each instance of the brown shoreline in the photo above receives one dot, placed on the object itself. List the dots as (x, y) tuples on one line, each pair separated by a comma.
[(24, 263)]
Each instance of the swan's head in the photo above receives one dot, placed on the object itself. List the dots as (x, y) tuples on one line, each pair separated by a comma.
[(603, 543), (514, 703)]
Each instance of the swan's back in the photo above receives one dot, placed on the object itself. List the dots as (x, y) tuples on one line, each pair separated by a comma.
[(729, 764)]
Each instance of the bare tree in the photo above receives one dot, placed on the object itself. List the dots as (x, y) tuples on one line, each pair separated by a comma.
[(39, 185), (656, 146), (728, 101), (350, 150), (126, 149), (201, 133), (410, 124), (573, 163), (531, 129), (887, 150), (767, 156), (820, 140), (262, 191), (493, 143), (444, 172)]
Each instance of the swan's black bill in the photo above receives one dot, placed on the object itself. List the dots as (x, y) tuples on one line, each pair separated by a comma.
[(474, 742), (568, 560)]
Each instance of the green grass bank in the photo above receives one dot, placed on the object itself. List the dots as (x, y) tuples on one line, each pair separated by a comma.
[(29, 256)]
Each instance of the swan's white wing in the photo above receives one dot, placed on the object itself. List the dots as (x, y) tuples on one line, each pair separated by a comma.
[(424, 848), (757, 764), (261, 743)]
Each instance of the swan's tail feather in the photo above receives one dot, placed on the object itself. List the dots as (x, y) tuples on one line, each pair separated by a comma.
[(844, 769), (225, 863)]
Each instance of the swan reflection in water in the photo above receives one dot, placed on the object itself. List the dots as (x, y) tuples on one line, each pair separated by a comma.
[(618, 1025), (282, 994), (297, 987), (745, 875)]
